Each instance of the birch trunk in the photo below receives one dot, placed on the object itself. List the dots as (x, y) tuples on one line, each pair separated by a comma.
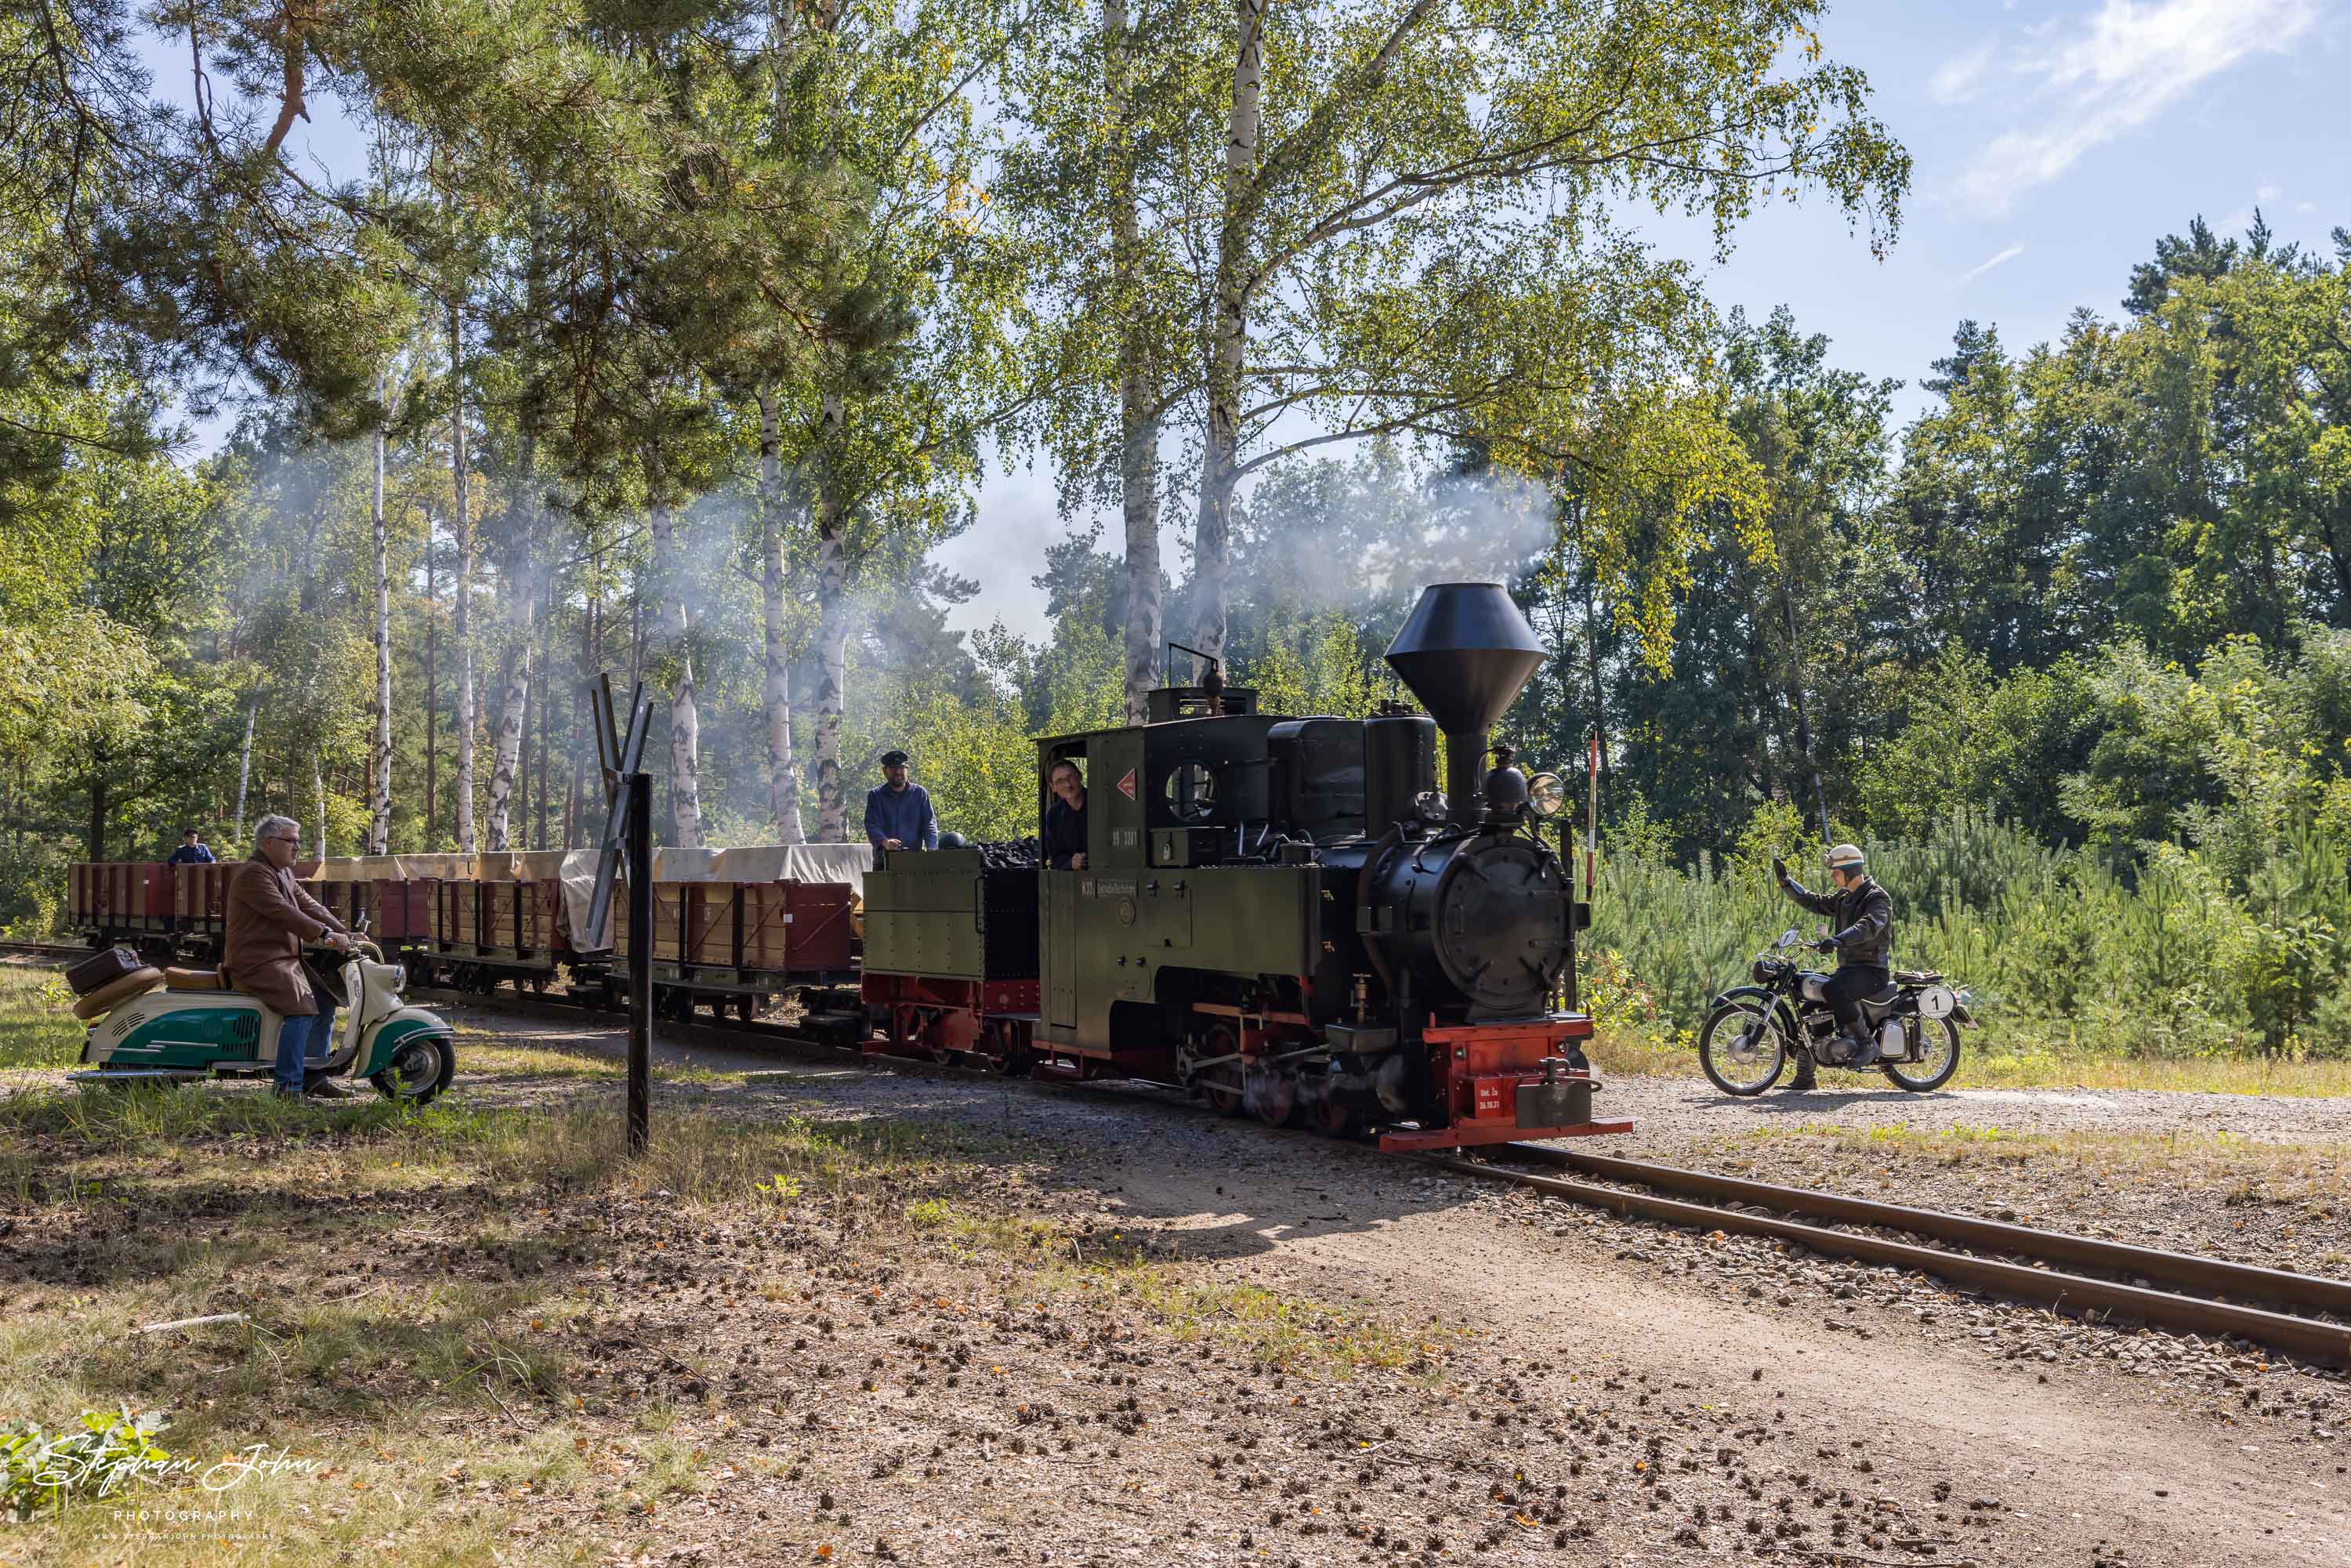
[(318, 782), (431, 691), (461, 628), (514, 712), (245, 770), (380, 802), (684, 724), (783, 771), (1138, 385), (832, 639), (516, 598), (1228, 330)]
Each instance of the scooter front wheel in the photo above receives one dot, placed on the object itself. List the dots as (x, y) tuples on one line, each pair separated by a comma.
[(420, 1069)]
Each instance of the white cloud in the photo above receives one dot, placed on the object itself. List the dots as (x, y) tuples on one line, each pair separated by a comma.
[(1961, 76), (2010, 254), (2116, 71)]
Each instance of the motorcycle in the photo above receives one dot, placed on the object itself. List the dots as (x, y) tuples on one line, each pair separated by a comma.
[(1753, 1031), (180, 1025)]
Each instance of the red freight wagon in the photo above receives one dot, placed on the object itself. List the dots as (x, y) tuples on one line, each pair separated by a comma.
[(124, 896)]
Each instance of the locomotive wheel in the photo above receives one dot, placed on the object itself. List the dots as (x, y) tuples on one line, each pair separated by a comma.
[(1272, 1098), (1334, 1120), (1224, 1084)]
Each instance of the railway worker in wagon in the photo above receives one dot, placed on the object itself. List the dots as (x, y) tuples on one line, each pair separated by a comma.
[(1065, 819), (269, 918), (898, 814), (1862, 942), (191, 850)]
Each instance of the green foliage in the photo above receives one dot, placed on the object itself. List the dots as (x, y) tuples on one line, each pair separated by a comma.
[(2170, 960), (41, 1471)]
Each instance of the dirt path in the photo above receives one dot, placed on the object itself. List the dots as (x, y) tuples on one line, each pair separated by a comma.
[(1669, 1110), (2079, 1464)]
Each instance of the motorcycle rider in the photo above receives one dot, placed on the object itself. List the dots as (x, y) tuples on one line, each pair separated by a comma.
[(1863, 939)]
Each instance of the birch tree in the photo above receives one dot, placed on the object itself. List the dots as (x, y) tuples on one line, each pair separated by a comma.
[(380, 789), (1369, 151), (912, 360), (1111, 120), (461, 527), (775, 685)]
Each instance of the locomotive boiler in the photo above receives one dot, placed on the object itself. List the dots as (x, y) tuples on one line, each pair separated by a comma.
[(1286, 914)]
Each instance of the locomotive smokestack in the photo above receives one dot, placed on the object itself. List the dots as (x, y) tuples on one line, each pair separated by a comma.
[(1466, 652)]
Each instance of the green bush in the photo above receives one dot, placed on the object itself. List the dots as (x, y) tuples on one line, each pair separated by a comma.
[(39, 1470), (2162, 957)]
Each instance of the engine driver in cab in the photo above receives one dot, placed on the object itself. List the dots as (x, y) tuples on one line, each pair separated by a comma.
[(1065, 819), (1863, 939)]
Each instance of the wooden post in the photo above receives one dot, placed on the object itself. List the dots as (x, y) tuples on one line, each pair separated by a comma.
[(641, 958)]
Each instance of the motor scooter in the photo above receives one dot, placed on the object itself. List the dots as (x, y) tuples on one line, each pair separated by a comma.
[(181, 1025)]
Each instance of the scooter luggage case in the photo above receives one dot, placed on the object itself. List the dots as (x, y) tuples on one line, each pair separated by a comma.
[(102, 969), (114, 993)]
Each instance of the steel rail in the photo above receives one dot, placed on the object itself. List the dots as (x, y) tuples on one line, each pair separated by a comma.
[(58, 950), (2073, 1293), (2179, 1271)]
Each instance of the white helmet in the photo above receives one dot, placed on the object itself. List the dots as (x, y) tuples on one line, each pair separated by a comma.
[(1847, 857)]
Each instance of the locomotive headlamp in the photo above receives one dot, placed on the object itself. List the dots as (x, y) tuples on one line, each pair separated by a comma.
[(1546, 794)]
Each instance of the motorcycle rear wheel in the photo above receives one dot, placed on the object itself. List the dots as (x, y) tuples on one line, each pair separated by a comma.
[(1940, 1041), (1742, 1048)]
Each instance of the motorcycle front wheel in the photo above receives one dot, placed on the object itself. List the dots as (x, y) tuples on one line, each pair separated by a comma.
[(1742, 1048), (1938, 1058)]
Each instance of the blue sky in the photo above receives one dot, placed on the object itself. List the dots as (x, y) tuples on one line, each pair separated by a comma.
[(2053, 142)]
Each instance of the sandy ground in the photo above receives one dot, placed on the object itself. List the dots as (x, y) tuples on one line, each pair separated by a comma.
[(1819, 1375)]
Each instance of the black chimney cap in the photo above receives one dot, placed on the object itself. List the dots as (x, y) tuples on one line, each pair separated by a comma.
[(1467, 653)]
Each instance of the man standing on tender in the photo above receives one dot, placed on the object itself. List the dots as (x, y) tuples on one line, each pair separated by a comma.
[(898, 815)]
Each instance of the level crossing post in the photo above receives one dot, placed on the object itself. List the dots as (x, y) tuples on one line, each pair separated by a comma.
[(641, 958)]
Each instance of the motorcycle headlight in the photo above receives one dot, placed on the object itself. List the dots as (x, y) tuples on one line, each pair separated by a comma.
[(1546, 793), (1760, 971)]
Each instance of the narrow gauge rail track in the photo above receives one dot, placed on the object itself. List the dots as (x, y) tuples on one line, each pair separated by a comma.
[(58, 951), (2176, 1291)]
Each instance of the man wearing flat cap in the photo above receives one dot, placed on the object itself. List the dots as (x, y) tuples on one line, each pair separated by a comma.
[(898, 814)]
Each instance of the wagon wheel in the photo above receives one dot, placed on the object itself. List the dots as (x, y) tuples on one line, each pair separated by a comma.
[(1222, 1083), (539, 985), (908, 1027)]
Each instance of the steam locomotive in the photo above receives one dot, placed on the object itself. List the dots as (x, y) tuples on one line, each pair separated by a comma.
[(1283, 915)]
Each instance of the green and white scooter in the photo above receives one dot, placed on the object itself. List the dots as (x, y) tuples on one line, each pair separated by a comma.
[(179, 1025)]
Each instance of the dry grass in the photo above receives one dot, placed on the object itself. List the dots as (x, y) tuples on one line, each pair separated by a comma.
[(418, 1289), (1988, 1060)]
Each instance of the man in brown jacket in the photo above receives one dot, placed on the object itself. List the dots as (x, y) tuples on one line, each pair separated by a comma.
[(269, 918)]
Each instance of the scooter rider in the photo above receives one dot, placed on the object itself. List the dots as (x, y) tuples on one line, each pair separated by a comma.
[(269, 918), (1863, 939)]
